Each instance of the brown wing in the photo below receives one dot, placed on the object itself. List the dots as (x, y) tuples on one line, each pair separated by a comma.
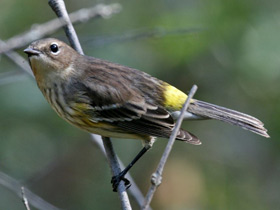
[(113, 97)]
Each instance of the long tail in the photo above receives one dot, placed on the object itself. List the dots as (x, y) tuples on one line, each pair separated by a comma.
[(247, 122)]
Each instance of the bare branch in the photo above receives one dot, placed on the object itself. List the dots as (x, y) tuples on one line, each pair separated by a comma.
[(42, 30), (60, 9), (33, 199), (157, 176), (134, 190), (9, 77), (17, 59), (115, 168)]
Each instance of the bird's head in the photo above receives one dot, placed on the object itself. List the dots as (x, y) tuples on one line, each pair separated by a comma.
[(50, 58)]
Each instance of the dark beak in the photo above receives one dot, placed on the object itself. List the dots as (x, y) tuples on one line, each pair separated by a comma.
[(30, 51)]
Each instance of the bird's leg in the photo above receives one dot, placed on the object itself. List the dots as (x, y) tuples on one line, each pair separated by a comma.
[(120, 177)]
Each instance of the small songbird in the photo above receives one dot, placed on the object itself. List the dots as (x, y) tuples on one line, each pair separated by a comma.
[(117, 101)]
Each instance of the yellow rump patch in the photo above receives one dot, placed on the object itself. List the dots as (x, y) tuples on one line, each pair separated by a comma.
[(173, 98)]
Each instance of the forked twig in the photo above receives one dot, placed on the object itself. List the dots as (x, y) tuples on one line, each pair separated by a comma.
[(134, 190), (157, 175), (33, 199)]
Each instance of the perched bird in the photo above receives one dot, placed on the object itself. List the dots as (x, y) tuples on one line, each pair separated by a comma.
[(117, 101)]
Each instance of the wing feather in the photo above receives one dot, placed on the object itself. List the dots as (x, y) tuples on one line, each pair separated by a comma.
[(127, 108)]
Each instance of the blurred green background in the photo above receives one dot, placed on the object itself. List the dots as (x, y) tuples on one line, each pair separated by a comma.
[(232, 54)]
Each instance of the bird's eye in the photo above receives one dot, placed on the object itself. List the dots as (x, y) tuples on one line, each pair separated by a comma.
[(54, 49)]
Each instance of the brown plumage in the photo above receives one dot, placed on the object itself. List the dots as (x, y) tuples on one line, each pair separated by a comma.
[(117, 101)]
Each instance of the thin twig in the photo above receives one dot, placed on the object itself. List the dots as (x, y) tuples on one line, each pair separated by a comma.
[(115, 169), (157, 175), (134, 190), (138, 34), (33, 199), (17, 59), (60, 9), (24, 199), (8, 77), (41, 30)]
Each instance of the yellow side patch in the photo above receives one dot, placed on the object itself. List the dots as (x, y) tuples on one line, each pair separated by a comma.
[(173, 98), (82, 106)]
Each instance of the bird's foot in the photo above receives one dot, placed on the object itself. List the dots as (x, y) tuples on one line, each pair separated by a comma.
[(117, 179)]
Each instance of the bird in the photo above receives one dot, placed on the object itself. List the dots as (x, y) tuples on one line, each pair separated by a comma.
[(117, 101)]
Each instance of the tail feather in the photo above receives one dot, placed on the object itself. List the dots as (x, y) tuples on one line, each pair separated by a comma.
[(187, 137), (242, 120)]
